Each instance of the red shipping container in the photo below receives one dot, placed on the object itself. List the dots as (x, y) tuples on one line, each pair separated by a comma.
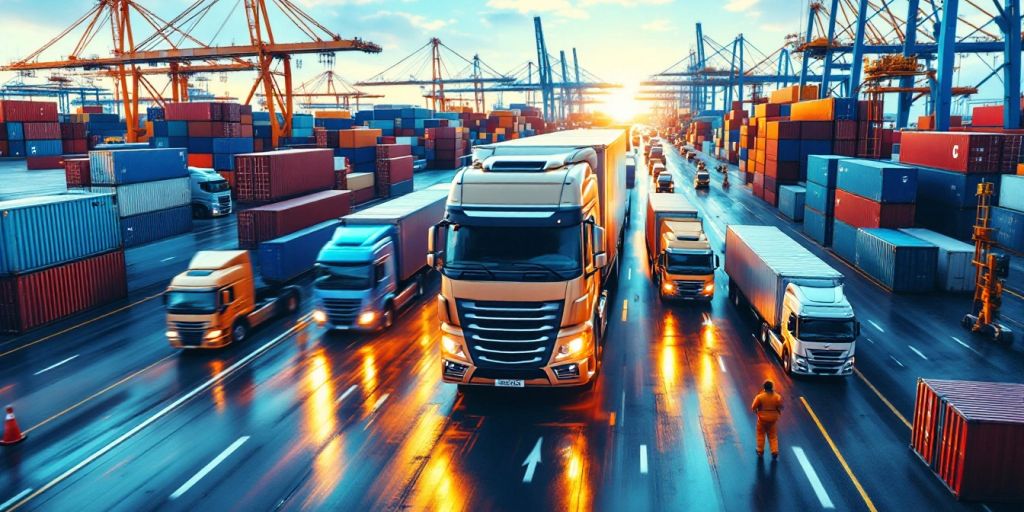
[(3, 148), (37, 298), (393, 150), (778, 130), (771, 191), (860, 212), (757, 185), (442, 133), (189, 111), (782, 172), (450, 144), (228, 176), (845, 130), (245, 130), (816, 130), (341, 179), (276, 175), (964, 152), (392, 170), (275, 220), (91, 109), (28, 111), (42, 131), (38, 163), (844, 147), (363, 195), (971, 434), (987, 116)]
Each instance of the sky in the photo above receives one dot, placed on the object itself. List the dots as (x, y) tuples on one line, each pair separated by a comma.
[(620, 41)]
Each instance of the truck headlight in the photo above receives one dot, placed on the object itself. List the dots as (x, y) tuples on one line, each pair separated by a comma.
[(452, 347), (172, 334), (367, 318), (319, 317), (709, 288), (668, 287), (213, 334), (571, 348)]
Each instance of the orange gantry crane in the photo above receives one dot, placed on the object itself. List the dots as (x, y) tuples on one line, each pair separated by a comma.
[(172, 44), (329, 86)]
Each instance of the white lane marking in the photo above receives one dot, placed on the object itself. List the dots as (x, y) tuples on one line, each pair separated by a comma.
[(643, 459), (812, 476), (968, 347), (721, 364), (345, 395), (48, 368), (897, 361), (165, 260), (301, 322), (209, 467), (870, 340), (531, 461), (629, 273), (7, 504), (625, 309), (380, 401), (918, 352), (622, 409), (718, 231), (876, 326)]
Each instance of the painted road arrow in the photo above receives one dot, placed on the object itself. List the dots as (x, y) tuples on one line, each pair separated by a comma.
[(531, 461)]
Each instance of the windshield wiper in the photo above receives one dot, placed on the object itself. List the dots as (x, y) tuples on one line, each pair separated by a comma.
[(473, 264), (540, 266)]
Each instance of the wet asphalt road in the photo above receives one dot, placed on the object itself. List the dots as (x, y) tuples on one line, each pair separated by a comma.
[(300, 419)]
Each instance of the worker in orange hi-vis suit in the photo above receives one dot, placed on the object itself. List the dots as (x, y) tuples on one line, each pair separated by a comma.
[(768, 407)]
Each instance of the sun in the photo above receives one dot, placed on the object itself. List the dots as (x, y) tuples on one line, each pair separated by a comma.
[(621, 104)]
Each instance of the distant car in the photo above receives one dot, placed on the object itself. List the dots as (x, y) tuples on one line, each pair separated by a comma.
[(657, 155), (664, 183), (702, 180), (658, 170)]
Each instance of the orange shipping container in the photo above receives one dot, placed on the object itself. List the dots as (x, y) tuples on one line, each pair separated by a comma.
[(203, 160), (1020, 169), (926, 123), (813, 110), (333, 114), (358, 138)]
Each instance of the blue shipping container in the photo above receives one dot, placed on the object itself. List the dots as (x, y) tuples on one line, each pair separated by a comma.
[(818, 226), (844, 240), (1009, 226), (39, 232), (879, 181), (200, 145), (954, 189), (1012, 192), (902, 263), (223, 162), (153, 226), (283, 259), (117, 167), (948, 220), (15, 131), (787, 150), (791, 201), (820, 198), (822, 169), (16, 148), (400, 188), (810, 147), (43, 147)]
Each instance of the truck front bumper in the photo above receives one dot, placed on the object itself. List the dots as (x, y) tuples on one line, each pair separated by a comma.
[(365, 321), (810, 366), (188, 342)]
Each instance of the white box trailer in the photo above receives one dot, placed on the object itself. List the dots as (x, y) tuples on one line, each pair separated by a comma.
[(956, 270)]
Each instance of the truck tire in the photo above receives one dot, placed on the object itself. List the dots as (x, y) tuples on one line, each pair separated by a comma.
[(388, 318), (764, 334), (199, 211), (239, 331), (787, 362)]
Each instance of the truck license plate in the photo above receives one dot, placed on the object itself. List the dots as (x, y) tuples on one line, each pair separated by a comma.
[(509, 383)]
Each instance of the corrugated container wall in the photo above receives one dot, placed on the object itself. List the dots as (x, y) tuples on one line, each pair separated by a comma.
[(121, 166), (818, 226), (153, 226), (283, 259), (1011, 192), (42, 231), (900, 262), (275, 220), (883, 182), (955, 270), (151, 196), (262, 177), (791, 201), (1009, 226), (30, 300)]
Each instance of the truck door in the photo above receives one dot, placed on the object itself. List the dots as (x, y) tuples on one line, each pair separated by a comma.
[(384, 277), (788, 333)]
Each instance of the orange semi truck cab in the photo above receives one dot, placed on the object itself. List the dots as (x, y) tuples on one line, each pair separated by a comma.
[(216, 301)]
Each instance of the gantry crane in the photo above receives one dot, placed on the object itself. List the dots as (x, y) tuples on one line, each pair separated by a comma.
[(329, 86), (172, 44), (991, 268), (403, 72)]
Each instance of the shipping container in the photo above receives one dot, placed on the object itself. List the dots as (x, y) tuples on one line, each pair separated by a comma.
[(822, 169), (275, 220), (818, 226), (285, 258), (791, 201), (43, 231), (953, 151), (43, 147), (76, 172), (948, 220), (158, 225), (400, 188), (880, 181), (34, 299), (28, 111), (900, 262), (865, 213), (955, 269), (276, 175), (844, 241), (820, 198), (948, 188), (1011, 192), (971, 434), (123, 166), (1009, 226), (138, 198)]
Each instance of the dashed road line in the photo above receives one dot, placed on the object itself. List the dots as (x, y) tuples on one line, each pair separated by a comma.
[(622, 409), (876, 326), (883, 398), (380, 401), (52, 366), (918, 352), (625, 309), (7, 504), (345, 395), (209, 467), (721, 364), (897, 360), (968, 347), (812, 477), (165, 260), (643, 459)]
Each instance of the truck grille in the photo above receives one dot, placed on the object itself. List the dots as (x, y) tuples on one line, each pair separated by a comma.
[(191, 333), (342, 311), (689, 288), (510, 335), (224, 201), (823, 360)]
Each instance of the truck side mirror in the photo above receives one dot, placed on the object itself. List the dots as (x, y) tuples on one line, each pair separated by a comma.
[(597, 235), (856, 329), (718, 262), (225, 297), (437, 238)]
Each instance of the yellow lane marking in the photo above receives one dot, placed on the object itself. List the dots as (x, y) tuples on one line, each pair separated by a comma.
[(625, 309), (842, 460), (883, 399)]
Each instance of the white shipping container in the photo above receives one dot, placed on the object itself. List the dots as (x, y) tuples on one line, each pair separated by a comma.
[(955, 272), (360, 180), (1011, 192), (150, 196)]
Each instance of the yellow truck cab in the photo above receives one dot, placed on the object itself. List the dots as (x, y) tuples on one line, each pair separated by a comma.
[(216, 301), (682, 261)]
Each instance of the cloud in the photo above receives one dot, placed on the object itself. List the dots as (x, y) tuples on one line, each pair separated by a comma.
[(740, 5), (657, 26), (773, 27), (562, 8), (415, 20)]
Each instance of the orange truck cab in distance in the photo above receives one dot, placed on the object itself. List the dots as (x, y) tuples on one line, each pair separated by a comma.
[(216, 301)]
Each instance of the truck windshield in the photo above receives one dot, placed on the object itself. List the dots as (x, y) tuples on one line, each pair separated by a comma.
[(215, 186), (556, 251), (681, 263), (343, 276), (823, 329), (192, 302)]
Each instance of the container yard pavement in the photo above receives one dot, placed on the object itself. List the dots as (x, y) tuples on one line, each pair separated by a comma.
[(17, 182), (362, 422)]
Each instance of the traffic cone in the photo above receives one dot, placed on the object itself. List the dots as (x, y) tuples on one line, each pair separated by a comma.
[(12, 434)]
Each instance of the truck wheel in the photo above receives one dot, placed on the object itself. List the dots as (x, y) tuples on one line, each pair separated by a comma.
[(389, 317), (787, 362), (764, 333), (198, 211), (239, 331)]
